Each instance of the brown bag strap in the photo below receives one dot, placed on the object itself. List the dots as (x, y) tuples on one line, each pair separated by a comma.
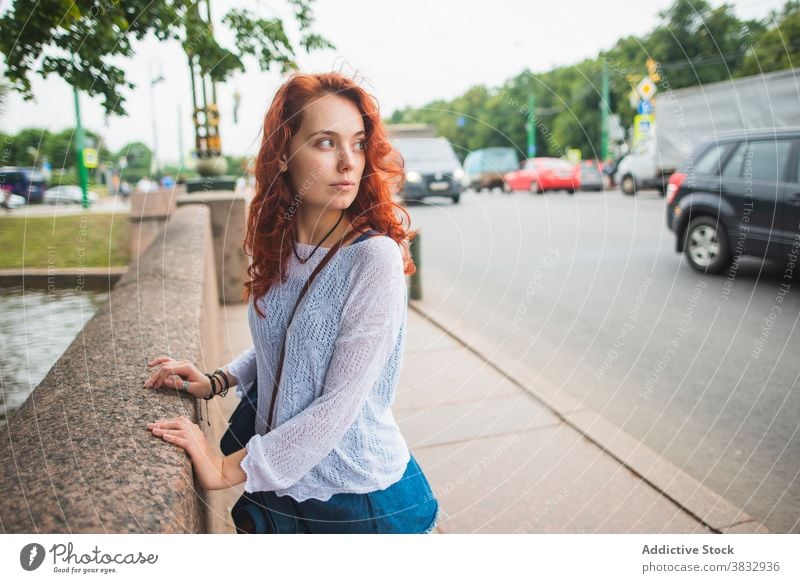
[(303, 291)]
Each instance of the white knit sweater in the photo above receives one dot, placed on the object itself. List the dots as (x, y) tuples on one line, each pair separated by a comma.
[(334, 429)]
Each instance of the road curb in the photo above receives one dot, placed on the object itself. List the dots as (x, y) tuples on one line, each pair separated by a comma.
[(686, 492), (61, 276)]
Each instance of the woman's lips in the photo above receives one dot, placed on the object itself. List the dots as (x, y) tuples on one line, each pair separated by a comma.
[(343, 185)]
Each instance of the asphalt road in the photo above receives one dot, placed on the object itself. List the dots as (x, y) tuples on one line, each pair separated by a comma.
[(588, 291)]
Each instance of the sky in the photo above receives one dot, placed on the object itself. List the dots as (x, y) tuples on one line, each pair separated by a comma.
[(406, 54)]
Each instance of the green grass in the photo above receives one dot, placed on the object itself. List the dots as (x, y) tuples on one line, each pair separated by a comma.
[(82, 240)]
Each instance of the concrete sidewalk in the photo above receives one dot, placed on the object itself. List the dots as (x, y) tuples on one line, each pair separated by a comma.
[(506, 455)]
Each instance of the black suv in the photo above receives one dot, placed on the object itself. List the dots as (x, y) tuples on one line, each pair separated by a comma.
[(739, 196), (26, 182)]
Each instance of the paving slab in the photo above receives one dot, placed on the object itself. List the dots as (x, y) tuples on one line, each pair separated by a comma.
[(473, 420), (656, 495), (548, 480), (447, 375)]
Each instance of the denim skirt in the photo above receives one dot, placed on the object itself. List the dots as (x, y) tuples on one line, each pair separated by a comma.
[(406, 507)]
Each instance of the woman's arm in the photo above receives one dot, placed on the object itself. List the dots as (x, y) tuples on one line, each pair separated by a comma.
[(212, 472), (171, 373), (371, 321), (233, 380)]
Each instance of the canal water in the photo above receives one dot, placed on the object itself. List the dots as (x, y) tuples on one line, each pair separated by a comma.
[(37, 325)]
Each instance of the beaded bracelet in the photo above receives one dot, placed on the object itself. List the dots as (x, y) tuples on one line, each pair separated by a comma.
[(224, 379), (212, 379)]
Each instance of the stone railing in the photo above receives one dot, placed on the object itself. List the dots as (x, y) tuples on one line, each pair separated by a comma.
[(77, 456)]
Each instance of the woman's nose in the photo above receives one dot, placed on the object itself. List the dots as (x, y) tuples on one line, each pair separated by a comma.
[(345, 160)]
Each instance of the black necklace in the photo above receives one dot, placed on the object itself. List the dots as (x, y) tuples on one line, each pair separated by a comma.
[(294, 246)]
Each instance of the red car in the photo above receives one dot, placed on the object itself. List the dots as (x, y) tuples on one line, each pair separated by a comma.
[(542, 174)]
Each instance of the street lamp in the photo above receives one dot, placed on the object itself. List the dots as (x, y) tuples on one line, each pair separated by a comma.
[(153, 80)]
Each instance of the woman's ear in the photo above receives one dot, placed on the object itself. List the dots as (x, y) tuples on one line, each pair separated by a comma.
[(284, 165)]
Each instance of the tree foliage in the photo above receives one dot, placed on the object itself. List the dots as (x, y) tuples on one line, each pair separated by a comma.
[(34, 146), (693, 43), (78, 40)]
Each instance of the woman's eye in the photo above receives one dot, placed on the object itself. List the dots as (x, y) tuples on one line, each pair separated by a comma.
[(328, 143)]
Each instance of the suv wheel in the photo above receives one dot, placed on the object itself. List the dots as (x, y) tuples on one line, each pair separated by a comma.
[(535, 188), (456, 198), (706, 245), (628, 185)]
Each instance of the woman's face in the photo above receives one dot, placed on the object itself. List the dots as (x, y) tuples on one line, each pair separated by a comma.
[(326, 157)]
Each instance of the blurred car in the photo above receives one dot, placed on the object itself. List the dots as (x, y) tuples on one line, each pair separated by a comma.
[(538, 175), (432, 169), (15, 201), (485, 168), (738, 196), (28, 183), (591, 175), (68, 195)]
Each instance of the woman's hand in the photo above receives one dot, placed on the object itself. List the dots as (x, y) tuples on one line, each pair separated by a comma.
[(182, 432), (172, 373)]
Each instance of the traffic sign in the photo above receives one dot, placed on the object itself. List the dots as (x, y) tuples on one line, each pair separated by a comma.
[(90, 158), (652, 70), (642, 127), (646, 88), (645, 107)]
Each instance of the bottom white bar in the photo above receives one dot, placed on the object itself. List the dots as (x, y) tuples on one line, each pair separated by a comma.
[(617, 558)]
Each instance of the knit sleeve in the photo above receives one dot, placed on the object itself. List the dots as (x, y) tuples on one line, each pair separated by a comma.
[(243, 367), (371, 321)]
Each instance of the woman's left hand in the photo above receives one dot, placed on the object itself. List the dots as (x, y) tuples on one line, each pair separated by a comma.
[(182, 432)]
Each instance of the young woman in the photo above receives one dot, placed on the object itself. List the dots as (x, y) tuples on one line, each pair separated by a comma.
[(329, 457)]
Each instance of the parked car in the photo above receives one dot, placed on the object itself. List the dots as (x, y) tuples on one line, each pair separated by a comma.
[(591, 175), (68, 195), (432, 169), (25, 182), (538, 175), (14, 201), (738, 196), (485, 168)]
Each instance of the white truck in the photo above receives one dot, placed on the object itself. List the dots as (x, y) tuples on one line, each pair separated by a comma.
[(686, 117)]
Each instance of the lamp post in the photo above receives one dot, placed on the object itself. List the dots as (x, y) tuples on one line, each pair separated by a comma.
[(154, 79), (83, 174)]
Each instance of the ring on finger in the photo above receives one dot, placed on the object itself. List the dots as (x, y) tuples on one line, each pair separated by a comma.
[(185, 386)]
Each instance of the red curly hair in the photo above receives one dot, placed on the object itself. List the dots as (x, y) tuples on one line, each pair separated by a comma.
[(271, 219)]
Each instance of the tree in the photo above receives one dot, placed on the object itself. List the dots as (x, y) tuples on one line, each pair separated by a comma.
[(779, 47), (24, 147), (3, 97), (693, 43), (137, 159), (235, 165), (59, 148), (78, 40), (698, 44)]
